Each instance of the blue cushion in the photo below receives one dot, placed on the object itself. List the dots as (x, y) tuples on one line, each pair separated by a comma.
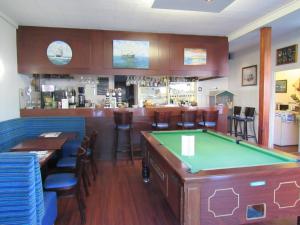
[(186, 124), (208, 124), (160, 125), (60, 180), (70, 147), (69, 162), (50, 203)]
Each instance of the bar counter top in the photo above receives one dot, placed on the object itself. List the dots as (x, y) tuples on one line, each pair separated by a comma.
[(101, 120)]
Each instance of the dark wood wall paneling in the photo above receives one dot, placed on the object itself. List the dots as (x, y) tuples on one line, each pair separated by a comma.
[(92, 52)]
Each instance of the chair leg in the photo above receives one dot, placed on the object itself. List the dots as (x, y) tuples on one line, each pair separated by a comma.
[(85, 185), (245, 130), (241, 130), (253, 124), (81, 206), (93, 168), (131, 146), (230, 126), (116, 144)]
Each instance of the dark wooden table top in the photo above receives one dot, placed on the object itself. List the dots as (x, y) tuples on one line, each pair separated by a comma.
[(43, 143)]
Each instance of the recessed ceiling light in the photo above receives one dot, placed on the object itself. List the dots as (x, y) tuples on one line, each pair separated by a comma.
[(208, 0)]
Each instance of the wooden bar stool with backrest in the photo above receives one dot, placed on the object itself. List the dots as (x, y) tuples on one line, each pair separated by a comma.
[(233, 119), (248, 118), (209, 119), (161, 120), (188, 119), (123, 123)]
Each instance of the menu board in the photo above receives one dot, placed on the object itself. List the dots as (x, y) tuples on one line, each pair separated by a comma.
[(102, 86)]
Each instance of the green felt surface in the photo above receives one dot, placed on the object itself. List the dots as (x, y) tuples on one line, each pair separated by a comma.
[(216, 151)]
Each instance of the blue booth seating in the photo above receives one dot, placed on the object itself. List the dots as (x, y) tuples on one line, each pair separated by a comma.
[(14, 131), (22, 200)]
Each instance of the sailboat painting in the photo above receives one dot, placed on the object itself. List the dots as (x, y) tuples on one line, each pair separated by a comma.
[(59, 53), (194, 56), (131, 54)]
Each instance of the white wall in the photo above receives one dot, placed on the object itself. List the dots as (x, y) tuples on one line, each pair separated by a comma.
[(10, 80), (293, 78), (249, 96), (204, 87)]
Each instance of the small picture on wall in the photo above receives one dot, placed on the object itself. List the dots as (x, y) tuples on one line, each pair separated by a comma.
[(287, 55), (249, 75), (194, 56), (281, 86)]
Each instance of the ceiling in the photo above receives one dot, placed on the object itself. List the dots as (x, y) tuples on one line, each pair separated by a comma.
[(138, 15), (287, 25), (191, 5)]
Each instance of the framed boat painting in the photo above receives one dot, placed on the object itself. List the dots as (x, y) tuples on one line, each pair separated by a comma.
[(131, 54), (194, 56), (249, 75)]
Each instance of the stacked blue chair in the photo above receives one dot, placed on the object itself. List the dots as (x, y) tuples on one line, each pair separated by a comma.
[(21, 192)]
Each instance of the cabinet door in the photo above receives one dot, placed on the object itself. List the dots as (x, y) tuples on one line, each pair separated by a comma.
[(174, 193)]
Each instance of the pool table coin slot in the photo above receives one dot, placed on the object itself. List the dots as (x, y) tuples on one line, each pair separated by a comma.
[(255, 212), (258, 183)]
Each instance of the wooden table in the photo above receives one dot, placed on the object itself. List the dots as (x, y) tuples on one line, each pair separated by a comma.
[(43, 143)]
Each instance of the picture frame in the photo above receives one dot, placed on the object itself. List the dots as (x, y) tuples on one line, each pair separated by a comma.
[(194, 56), (281, 86), (128, 54), (287, 55), (249, 75)]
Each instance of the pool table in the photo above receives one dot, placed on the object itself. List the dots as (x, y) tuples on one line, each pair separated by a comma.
[(226, 181)]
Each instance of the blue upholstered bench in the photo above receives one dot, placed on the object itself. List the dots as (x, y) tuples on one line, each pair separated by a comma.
[(14, 131)]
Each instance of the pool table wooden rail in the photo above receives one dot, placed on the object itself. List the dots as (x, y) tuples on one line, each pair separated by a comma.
[(216, 197)]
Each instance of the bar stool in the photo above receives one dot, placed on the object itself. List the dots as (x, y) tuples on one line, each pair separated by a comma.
[(248, 118), (233, 119), (123, 123), (209, 119), (188, 119), (161, 120)]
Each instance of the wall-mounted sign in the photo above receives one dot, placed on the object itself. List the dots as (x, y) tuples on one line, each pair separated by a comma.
[(287, 55), (195, 56), (131, 54), (103, 85), (59, 53)]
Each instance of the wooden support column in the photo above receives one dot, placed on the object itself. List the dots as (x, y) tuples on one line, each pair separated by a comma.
[(264, 85)]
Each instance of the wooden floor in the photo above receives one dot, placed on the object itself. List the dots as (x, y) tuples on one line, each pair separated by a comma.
[(119, 197)]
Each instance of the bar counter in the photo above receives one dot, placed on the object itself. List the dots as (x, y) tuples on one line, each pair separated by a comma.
[(101, 120)]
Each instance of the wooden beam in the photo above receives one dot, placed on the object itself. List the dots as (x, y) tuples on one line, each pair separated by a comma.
[(264, 85)]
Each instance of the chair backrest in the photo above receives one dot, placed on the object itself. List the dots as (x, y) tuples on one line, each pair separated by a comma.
[(21, 191), (123, 117), (79, 162), (162, 117), (210, 115), (249, 112), (237, 110), (189, 116)]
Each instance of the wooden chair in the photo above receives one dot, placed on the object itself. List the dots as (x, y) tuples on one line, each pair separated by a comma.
[(245, 120), (123, 123), (209, 119), (188, 119), (69, 183), (233, 119), (90, 154), (161, 120)]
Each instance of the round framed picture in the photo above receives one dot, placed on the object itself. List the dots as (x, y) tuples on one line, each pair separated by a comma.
[(59, 53)]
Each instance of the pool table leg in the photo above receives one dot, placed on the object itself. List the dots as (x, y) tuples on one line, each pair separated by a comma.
[(145, 172)]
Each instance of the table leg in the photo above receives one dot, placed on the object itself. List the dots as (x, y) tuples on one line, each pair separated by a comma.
[(145, 171)]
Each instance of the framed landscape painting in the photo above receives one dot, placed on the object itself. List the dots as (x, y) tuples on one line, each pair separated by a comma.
[(281, 86), (249, 75), (131, 54), (194, 56)]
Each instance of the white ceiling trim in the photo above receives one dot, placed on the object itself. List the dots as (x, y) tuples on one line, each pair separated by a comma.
[(264, 20), (9, 20)]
